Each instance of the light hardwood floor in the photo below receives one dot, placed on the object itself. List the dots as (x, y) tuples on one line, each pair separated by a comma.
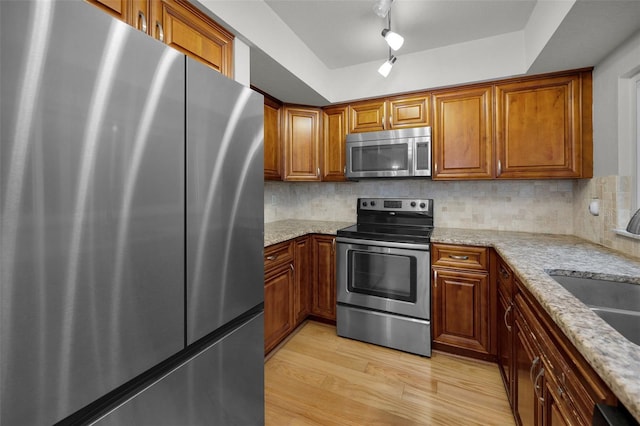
[(318, 378)]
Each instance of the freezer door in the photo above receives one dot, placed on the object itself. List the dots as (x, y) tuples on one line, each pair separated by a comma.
[(223, 385), (92, 207), (225, 201)]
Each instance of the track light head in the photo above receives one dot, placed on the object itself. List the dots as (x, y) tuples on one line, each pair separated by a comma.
[(394, 40), (385, 68)]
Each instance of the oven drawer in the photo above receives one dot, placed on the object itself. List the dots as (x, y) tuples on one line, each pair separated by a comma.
[(466, 257), (382, 328)]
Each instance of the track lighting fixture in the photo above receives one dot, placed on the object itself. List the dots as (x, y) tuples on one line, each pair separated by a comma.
[(383, 8)]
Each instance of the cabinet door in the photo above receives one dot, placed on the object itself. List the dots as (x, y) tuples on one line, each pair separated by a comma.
[(505, 342), (505, 320), (462, 134), (368, 116), (335, 134), (301, 144), (278, 299), (460, 310), (324, 277), (538, 128), (408, 111), (556, 411), (302, 280), (528, 366), (272, 145), (185, 28), (117, 8)]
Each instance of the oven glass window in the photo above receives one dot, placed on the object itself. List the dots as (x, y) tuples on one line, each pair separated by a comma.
[(380, 158), (384, 275)]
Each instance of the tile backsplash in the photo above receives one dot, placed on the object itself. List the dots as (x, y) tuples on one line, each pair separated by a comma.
[(527, 206), (613, 194)]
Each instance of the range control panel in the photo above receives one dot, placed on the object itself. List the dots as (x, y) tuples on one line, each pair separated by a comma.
[(395, 204)]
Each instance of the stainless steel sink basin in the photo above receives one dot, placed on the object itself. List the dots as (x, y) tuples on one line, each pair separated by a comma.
[(618, 303)]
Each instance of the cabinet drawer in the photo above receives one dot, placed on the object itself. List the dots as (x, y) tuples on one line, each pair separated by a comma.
[(466, 257), (278, 254), (504, 277)]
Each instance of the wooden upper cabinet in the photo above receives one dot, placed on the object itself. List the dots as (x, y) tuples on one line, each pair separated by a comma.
[(272, 140), (462, 134), (539, 128), (185, 28), (119, 9), (180, 25), (301, 143), (407, 112), (334, 121), (367, 116), (386, 114)]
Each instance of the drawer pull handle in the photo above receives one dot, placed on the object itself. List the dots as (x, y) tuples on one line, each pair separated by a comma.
[(458, 257), (159, 31), (143, 21), (537, 386), (533, 366), (505, 317), (272, 257)]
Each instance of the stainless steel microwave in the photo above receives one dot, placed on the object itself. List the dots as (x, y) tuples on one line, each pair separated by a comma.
[(398, 153)]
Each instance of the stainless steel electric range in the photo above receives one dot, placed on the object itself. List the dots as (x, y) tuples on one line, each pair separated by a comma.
[(383, 274)]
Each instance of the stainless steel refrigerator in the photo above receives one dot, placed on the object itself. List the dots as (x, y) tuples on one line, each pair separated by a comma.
[(131, 204)]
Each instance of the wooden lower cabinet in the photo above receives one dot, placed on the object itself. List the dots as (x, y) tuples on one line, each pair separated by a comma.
[(278, 293), (278, 303), (299, 282), (302, 280), (462, 312), (324, 277), (505, 322), (555, 384)]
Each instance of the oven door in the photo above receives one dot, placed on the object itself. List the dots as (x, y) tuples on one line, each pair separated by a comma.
[(385, 276)]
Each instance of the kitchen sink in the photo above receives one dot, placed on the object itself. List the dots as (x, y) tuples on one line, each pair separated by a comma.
[(617, 303)]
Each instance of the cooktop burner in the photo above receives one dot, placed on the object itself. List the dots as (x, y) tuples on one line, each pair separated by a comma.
[(396, 220)]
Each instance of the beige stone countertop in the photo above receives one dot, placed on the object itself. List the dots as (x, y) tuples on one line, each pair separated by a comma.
[(283, 230), (531, 256)]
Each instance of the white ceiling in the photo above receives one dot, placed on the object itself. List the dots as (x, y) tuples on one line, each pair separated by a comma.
[(343, 33), (317, 52)]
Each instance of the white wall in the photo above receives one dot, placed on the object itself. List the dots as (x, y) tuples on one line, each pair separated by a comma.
[(614, 153), (612, 149)]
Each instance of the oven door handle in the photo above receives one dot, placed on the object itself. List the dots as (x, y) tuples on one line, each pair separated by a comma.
[(389, 244)]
